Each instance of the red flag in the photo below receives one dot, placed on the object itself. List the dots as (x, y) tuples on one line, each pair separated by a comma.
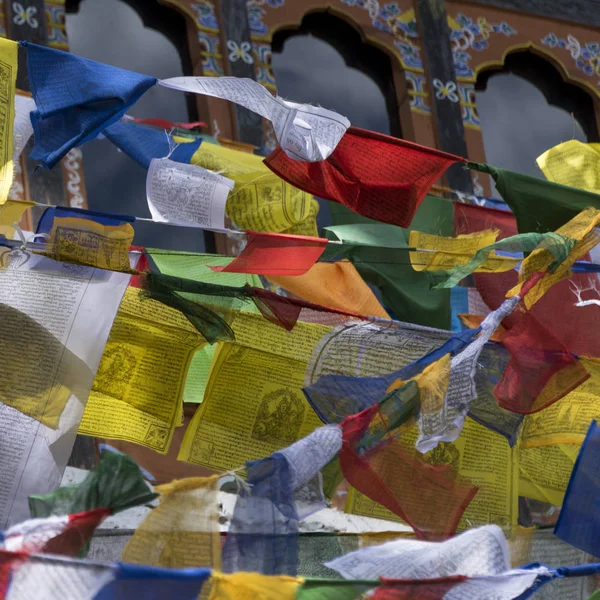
[(429, 498), (166, 124), (375, 175), (276, 254), (412, 589)]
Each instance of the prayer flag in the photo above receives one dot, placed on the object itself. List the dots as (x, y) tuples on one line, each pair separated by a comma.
[(579, 520), (76, 99), (254, 585), (375, 175), (573, 163), (8, 71), (65, 535), (152, 583), (276, 254), (115, 483), (539, 206), (182, 531), (143, 144)]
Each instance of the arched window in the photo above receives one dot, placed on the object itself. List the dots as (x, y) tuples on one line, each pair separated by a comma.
[(325, 61), (526, 107), (142, 36)]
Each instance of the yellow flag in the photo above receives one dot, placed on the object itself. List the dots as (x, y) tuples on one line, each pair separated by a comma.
[(11, 212), (581, 228), (86, 242), (449, 252), (8, 78), (260, 200), (183, 530), (253, 586), (573, 163)]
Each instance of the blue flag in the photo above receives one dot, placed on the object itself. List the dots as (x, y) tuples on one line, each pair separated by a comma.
[(76, 99), (142, 144)]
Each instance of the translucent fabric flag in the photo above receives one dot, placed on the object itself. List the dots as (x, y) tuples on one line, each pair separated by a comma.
[(557, 246), (8, 56), (76, 99), (337, 285), (22, 126), (276, 254), (573, 163), (50, 577), (182, 531), (260, 200), (578, 523), (254, 585), (479, 551), (143, 144), (116, 483), (375, 175), (539, 206), (450, 252), (384, 264), (285, 487), (541, 370), (86, 242), (431, 500), (152, 583), (67, 535)]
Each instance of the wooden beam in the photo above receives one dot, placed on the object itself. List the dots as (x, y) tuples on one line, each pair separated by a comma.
[(443, 88), (240, 63), (582, 12)]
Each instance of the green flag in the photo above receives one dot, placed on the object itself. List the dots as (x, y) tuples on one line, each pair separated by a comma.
[(329, 589), (116, 483), (538, 205), (384, 262)]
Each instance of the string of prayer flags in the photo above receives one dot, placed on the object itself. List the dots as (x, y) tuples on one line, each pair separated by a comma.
[(66, 535), (8, 57), (305, 132), (375, 175), (115, 483), (182, 531), (333, 285), (76, 99), (430, 500), (186, 195), (578, 523), (285, 487), (541, 370), (538, 206), (142, 144), (260, 200), (275, 254), (450, 252), (573, 163), (384, 264)]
